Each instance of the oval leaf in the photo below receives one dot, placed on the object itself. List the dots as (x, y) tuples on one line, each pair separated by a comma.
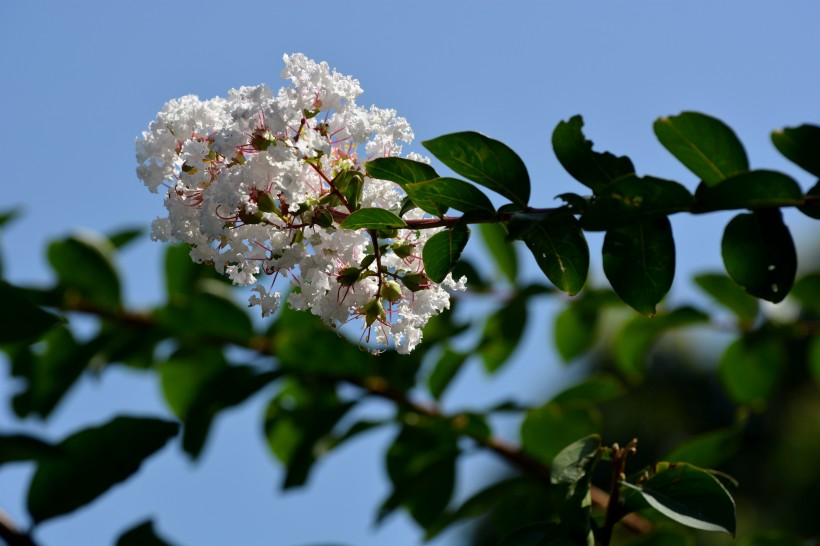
[(400, 170), (95, 460), (800, 145), (759, 254), (594, 170), (691, 496), (705, 145), (28, 321), (372, 218), (639, 262), (443, 250), (83, 264), (560, 250), (750, 368), (504, 253), (750, 190), (450, 192), (726, 292), (484, 161)]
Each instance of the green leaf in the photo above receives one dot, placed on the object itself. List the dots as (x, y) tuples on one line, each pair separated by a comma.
[(814, 359), (84, 268), (708, 450), (662, 538), (547, 430), (639, 262), (421, 466), (540, 534), (575, 330), (28, 321), (807, 291), (122, 238), (593, 390), (142, 534), (399, 170), (372, 218), (689, 495), (446, 368), (593, 169), (198, 386), (207, 312), (759, 254), (50, 371), (774, 538), (560, 250), (442, 251), (298, 426), (22, 447), (638, 336), (9, 215), (705, 145), (812, 207), (632, 199), (571, 477), (750, 190), (502, 333), (800, 145), (504, 253), (726, 292), (751, 367), (452, 193), (573, 462), (485, 161), (95, 459)]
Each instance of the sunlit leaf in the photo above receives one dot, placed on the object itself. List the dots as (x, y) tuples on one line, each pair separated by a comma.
[(705, 145), (759, 254), (484, 161), (639, 262), (372, 218), (400, 170), (593, 169), (95, 459)]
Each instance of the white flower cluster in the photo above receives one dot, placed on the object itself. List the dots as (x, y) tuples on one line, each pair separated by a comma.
[(257, 183)]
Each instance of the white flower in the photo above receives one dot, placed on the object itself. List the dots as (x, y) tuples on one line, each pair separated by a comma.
[(251, 185)]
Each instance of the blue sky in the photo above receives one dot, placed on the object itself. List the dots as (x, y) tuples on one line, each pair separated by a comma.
[(81, 80)]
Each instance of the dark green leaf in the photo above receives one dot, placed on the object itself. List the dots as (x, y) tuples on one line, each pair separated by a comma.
[(399, 170), (502, 333), (421, 465), (504, 253), (593, 169), (774, 538), (706, 145), (812, 207), (22, 447), (560, 250), (800, 145), (372, 218), (662, 538), (540, 534), (708, 450), (726, 292), (750, 368), (95, 460), (807, 291), (639, 262), (442, 251), (208, 312), (689, 495), (27, 322), (298, 426), (142, 534), (200, 385), (547, 430), (446, 368), (450, 192), (750, 190), (759, 254), (593, 390), (84, 269), (637, 337), (814, 359), (632, 199), (576, 326), (50, 371), (484, 161), (124, 237), (9, 215), (572, 463)]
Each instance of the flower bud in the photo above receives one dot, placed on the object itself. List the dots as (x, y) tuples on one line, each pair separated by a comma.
[(415, 281), (348, 276), (373, 311), (265, 202), (391, 291), (402, 250)]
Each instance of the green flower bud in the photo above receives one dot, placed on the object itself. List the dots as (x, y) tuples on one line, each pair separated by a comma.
[(415, 281), (348, 276), (373, 311), (323, 219), (391, 291), (402, 250), (265, 202)]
